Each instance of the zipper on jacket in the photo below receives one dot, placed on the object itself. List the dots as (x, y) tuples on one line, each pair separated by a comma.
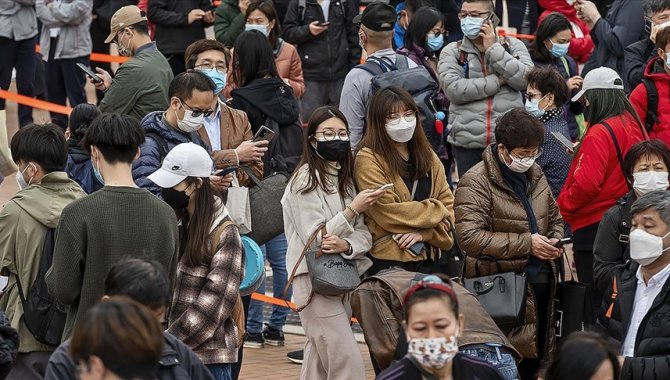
[(489, 103)]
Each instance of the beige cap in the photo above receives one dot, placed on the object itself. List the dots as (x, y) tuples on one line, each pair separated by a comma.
[(123, 18)]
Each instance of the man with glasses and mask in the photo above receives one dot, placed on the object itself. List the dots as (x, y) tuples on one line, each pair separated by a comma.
[(140, 85), (483, 76), (636, 308), (191, 97)]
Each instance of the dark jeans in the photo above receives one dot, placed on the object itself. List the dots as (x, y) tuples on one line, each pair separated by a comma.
[(529, 367), (177, 63), (319, 94), (19, 55), (583, 240), (65, 82), (98, 34), (466, 158)]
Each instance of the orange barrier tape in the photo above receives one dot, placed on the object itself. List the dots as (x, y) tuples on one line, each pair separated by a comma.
[(278, 302), (98, 57), (35, 103)]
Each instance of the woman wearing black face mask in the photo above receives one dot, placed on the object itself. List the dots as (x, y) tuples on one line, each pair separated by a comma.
[(322, 192), (210, 262)]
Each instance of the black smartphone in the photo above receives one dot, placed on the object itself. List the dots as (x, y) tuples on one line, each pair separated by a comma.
[(227, 171), (562, 242), (495, 20), (416, 248), (325, 23), (90, 73), (264, 133)]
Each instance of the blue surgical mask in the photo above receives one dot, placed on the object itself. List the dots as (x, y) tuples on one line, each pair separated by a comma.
[(218, 77), (96, 172), (667, 59), (533, 107), (559, 50), (434, 42), (471, 26), (260, 27)]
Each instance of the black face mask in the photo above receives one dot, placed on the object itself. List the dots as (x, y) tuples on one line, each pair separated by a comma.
[(334, 150), (178, 200)]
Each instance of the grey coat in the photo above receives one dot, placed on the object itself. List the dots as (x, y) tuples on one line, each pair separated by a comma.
[(17, 19), (73, 17), (474, 89)]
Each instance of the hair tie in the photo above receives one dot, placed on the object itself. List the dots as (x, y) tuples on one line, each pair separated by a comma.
[(432, 282)]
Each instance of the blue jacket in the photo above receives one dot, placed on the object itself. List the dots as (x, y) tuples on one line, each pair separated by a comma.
[(80, 168), (151, 155)]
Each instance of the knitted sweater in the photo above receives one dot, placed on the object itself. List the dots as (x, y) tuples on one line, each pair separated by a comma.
[(95, 232)]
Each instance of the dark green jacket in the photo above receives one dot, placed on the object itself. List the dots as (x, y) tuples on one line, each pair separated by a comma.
[(140, 85), (228, 22)]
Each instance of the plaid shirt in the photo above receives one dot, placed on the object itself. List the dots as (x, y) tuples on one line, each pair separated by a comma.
[(204, 297)]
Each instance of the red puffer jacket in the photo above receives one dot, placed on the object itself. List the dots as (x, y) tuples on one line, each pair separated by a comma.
[(596, 180), (581, 44), (661, 79)]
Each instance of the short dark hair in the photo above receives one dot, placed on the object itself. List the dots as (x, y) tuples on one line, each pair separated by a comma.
[(663, 38), (643, 149), (519, 129), (580, 356), (125, 336), (489, 2), (141, 27), (552, 24), (43, 144), (253, 58), (654, 6), (184, 84), (116, 136), (201, 46), (81, 118), (144, 281), (658, 201), (548, 80), (421, 24)]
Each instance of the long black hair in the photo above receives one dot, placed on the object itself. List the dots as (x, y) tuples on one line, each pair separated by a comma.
[(552, 24), (422, 23), (606, 103), (253, 58)]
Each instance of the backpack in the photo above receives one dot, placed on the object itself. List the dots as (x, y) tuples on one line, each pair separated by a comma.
[(416, 80), (43, 315), (652, 104), (163, 149), (285, 149), (302, 4)]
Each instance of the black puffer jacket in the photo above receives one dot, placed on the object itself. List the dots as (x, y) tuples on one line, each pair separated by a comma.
[(331, 54), (610, 250), (173, 32), (650, 361)]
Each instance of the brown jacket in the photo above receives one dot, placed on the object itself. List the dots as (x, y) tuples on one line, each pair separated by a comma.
[(235, 129), (491, 221), (396, 213)]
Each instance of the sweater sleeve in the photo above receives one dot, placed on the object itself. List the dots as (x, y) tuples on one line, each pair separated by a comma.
[(217, 298), (441, 235), (65, 277), (391, 212), (474, 224)]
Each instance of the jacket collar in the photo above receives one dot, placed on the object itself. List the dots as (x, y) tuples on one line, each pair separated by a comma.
[(469, 47), (495, 173), (654, 70)]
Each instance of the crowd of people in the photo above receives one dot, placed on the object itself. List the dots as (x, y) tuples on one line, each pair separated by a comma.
[(468, 143)]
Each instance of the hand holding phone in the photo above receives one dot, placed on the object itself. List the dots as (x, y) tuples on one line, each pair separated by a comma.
[(94, 77), (264, 133), (226, 171), (564, 141), (384, 187), (562, 242), (322, 24)]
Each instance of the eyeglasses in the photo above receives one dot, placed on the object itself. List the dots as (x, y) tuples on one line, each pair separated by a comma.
[(394, 118), (209, 66), (332, 135), (463, 15), (438, 32), (196, 113), (526, 159), (533, 96)]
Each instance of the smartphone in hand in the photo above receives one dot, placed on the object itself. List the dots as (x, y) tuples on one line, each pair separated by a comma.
[(562, 242), (89, 73), (264, 133)]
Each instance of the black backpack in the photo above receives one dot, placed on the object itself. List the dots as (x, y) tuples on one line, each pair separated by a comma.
[(43, 315), (416, 80), (285, 149), (652, 103)]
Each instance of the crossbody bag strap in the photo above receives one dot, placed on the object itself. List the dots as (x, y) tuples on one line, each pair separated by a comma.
[(414, 185), (618, 151), (312, 238)]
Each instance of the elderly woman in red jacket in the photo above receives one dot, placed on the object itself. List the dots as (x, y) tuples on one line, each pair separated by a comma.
[(581, 44), (596, 179)]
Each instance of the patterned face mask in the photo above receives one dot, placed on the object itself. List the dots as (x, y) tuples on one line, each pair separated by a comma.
[(433, 352)]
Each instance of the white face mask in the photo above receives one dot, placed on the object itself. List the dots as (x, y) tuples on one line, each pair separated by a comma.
[(403, 131), (22, 181), (518, 165), (433, 352), (189, 123), (646, 248), (646, 182)]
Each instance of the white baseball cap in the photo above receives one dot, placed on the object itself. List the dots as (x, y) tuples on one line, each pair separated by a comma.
[(184, 160), (602, 77)]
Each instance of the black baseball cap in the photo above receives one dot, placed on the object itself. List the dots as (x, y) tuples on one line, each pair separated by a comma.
[(377, 16)]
